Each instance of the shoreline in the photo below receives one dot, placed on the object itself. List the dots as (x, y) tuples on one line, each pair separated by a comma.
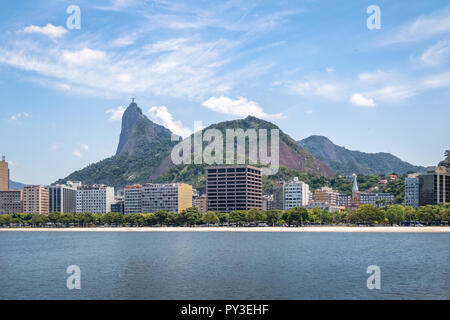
[(437, 229)]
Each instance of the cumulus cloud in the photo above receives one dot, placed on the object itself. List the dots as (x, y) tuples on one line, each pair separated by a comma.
[(116, 114), (240, 107), (163, 117), (49, 30), (360, 100)]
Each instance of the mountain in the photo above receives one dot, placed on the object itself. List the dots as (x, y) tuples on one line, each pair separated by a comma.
[(346, 162), (143, 154), (16, 185)]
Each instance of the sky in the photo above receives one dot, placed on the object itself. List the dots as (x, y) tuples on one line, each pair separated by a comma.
[(311, 67)]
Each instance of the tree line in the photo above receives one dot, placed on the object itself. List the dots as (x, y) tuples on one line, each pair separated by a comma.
[(365, 214)]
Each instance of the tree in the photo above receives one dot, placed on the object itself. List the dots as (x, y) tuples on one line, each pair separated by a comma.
[(211, 218), (223, 217), (297, 216), (239, 217), (273, 217), (369, 214), (395, 214), (191, 216)]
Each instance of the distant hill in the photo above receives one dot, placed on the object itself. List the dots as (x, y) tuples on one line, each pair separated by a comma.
[(143, 154), (346, 162), (16, 185)]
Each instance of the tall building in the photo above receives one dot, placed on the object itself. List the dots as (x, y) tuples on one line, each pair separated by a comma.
[(412, 190), (296, 194), (326, 195), (133, 199), (267, 203), (173, 197), (62, 198), (4, 175), (234, 187), (95, 199), (434, 186), (201, 203), (278, 195), (35, 199), (11, 201)]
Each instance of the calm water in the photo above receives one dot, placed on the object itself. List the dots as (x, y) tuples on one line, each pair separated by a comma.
[(188, 265)]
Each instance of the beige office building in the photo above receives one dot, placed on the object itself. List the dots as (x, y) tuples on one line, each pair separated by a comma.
[(4, 175), (173, 197), (201, 203), (35, 199)]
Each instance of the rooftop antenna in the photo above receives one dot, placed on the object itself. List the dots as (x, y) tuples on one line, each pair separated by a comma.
[(3, 158), (132, 100)]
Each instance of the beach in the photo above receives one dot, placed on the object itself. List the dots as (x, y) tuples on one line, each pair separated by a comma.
[(437, 229)]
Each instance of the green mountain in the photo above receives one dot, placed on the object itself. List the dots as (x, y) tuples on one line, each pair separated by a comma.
[(16, 185), (346, 162), (143, 154)]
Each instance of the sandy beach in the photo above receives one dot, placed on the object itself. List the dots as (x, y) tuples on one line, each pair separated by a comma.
[(445, 229)]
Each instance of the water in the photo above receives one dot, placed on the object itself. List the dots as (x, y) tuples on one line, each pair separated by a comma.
[(228, 265)]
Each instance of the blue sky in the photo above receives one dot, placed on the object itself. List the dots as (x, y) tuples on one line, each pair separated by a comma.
[(311, 67)]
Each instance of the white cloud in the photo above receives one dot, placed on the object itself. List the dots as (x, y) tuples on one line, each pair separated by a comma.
[(166, 45), (163, 117), (17, 116), (56, 146), (124, 41), (77, 153), (359, 100), (309, 111), (84, 146), (436, 54), (49, 30), (421, 28), (240, 107), (331, 70), (84, 56), (375, 76), (322, 89), (116, 114)]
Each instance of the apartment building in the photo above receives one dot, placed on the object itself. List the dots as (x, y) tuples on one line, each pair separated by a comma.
[(11, 201), (201, 203), (234, 187), (95, 199), (326, 195), (412, 190), (133, 199), (173, 197), (35, 199), (296, 194)]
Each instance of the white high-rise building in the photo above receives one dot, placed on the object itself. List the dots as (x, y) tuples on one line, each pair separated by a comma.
[(296, 194), (412, 190), (95, 199), (133, 199)]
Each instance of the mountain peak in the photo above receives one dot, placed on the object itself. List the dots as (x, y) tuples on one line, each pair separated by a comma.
[(137, 129)]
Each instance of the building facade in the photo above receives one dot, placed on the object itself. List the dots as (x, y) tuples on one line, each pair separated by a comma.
[(412, 191), (267, 203), (173, 197), (133, 199), (201, 203), (296, 194), (434, 186), (378, 200), (95, 199), (278, 195), (35, 200), (11, 201), (62, 198), (326, 195), (4, 175), (234, 187)]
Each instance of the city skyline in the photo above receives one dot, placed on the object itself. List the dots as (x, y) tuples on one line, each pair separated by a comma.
[(310, 68)]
